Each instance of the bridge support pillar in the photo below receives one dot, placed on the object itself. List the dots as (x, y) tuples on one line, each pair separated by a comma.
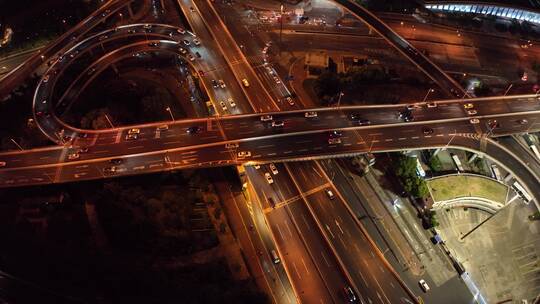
[(472, 158), (130, 11), (115, 69)]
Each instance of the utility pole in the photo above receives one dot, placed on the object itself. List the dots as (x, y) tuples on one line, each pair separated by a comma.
[(170, 112), (281, 27), (428, 92), (107, 117), (17, 144)]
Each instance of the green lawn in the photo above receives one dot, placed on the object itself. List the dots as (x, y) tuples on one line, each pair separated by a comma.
[(445, 188)]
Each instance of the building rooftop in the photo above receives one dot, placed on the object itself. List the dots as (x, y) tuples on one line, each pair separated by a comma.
[(525, 4)]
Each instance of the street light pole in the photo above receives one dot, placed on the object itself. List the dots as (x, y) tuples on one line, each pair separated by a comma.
[(110, 122), (428, 92), (170, 112), (339, 99), (508, 89), (281, 27), (18, 146)]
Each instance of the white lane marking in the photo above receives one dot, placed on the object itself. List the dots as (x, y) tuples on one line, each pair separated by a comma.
[(415, 137), (305, 221), (389, 139), (363, 278), (305, 266), (172, 142), (339, 227), (118, 137), (330, 231), (402, 138), (136, 147), (288, 228), (296, 269), (155, 165), (280, 233), (271, 154), (325, 260), (138, 168)]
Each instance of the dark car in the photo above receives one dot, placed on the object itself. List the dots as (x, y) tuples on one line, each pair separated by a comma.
[(355, 116), (335, 134), (215, 84), (116, 161), (406, 115), (350, 296), (427, 131), (364, 122), (194, 130)]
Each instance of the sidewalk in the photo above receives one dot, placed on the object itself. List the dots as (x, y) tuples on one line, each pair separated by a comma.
[(431, 257)]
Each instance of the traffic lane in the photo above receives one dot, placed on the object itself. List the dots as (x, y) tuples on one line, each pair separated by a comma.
[(309, 286), (251, 46), (286, 230), (300, 268), (309, 175), (65, 41), (281, 144), (99, 66), (255, 91), (217, 155), (216, 65), (452, 88), (325, 261), (266, 236), (376, 282)]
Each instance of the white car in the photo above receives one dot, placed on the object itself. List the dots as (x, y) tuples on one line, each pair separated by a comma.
[(191, 57), (266, 118), (468, 106), (311, 114), (134, 131), (475, 121), (45, 78), (431, 105), (423, 285), (196, 41), (231, 102), (231, 146), (276, 79), (472, 112), (257, 167), (274, 169), (182, 50), (329, 193), (334, 141), (181, 31), (223, 106), (269, 178), (73, 156), (244, 154), (290, 100), (222, 84)]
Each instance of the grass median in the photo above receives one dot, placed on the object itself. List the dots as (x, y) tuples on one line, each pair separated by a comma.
[(450, 187)]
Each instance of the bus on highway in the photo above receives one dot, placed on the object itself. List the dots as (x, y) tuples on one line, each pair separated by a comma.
[(525, 196), (211, 109), (535, 151), (496, 172), (456, 160)]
